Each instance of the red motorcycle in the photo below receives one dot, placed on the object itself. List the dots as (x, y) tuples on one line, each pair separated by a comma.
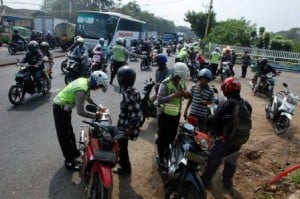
[(99, 151), (97, 61)]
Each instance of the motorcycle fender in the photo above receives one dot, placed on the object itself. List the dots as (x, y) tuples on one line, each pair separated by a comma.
[(288, 115), (104, 172), (196, 181)]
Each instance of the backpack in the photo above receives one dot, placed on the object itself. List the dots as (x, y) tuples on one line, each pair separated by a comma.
[(238, 124)]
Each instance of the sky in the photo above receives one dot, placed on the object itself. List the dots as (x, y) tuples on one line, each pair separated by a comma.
[(274, 15)]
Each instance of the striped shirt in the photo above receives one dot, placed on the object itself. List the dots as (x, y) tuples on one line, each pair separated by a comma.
[(199, 94)]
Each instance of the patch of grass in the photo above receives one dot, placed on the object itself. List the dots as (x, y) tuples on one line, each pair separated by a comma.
[(294, 177), (266, 195)]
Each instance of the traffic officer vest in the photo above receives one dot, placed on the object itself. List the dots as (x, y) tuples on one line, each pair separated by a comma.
[(182, 54), (67, 95), (173, 107), (215, 57), (118, 53)]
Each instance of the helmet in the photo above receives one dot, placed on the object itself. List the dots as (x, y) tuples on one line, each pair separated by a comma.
[(205, 73), (180, 69), (80, 40), (101, 41), (44, 46), (230, 85), (217, 49), (161, 59), (126, 76), (99, 78), (33, 46), (120, 41), (262, 62), (75, 39)]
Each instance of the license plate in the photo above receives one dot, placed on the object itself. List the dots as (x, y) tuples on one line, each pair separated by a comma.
[(195, 157), (105, 156), (96, 57)]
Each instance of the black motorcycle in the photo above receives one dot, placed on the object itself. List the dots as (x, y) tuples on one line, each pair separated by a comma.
[(145, 63), (147, 104), (186, 160), (26, 83), (75, 70), (15, 47)]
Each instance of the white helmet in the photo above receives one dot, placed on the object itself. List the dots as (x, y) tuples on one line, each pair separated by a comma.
[(101, 40), (120, 41), (99, 78), (80, 40), (180, 69)]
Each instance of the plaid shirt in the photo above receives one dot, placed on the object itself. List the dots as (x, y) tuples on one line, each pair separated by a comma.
[(131, 113)]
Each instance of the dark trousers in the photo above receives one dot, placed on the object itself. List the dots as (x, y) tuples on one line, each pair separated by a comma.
[(244, 70), (64, 131), (231, 70), (124, 161), (213, 69), (167, 130), (217, 154), (114, 69)]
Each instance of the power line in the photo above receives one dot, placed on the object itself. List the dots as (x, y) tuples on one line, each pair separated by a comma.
[(17, 2)]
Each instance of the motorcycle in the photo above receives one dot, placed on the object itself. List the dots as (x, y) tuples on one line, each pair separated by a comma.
[(144, 65), (266, 85), (97, 61), (147, 104), (133, 53), (26, 83), (281, 109), (169, 50), (99, 151), (225, 70), (186, 159), (14, 47), (76, 69), (153, 55), (194, 70)]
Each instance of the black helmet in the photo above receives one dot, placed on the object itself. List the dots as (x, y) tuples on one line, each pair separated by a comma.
[(126, 76), (44, 46), (262, 62), (33, 46)]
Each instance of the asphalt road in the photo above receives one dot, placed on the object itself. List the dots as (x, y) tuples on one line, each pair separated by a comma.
[(31, 161)]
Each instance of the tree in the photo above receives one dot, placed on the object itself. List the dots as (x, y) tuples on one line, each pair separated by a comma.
[(278, 42), (198, 21), (232, 32), (266, 39)]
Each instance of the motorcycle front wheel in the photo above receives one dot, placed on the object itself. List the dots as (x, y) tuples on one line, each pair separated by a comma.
[(69, 77), (12, 50), (188, 191), (63, 66), (97, 190), (281, 124), (16, 94), (143, 65)]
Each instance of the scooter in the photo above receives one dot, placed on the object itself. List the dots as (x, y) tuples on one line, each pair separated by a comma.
[(225, 70), (281, 109), (99, 150), (186, 161), (76, 69), (144, 65), (14, 47), (97, 61), (147, 105)]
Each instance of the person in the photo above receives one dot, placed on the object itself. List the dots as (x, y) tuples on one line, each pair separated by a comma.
[(214, 61), (224, 146), (233, 60), (263, 68), (146, 47), (162, 72), (74, 44), (18, 39), (102, 49), (246, 61), (44, 46), (201, 96), (130, 116), (182, 54), (74, 95), (170, 95), (34, 57), (81, 53), (119, 54)]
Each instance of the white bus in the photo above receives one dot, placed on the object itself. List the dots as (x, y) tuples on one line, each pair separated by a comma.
[(92, 25)]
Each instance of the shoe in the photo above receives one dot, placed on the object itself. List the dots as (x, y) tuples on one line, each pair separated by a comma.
[(73, 165), (110, 82), (121, 171)]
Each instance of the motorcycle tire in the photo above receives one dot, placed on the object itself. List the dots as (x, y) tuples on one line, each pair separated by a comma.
[(188, 191), (69, 77), (96, 189), (16, 94), (281, 124), (12, 50), (143, 65), (63, 66)]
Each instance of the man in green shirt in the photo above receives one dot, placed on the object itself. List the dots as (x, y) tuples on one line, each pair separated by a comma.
[(74, 95)]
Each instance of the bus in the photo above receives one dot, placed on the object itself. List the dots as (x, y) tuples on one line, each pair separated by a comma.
[(169, 36), (92, 25)]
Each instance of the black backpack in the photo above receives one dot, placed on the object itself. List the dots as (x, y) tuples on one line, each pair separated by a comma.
[(237, 125)]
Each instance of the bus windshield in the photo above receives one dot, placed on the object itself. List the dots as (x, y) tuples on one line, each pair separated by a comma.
[(96, 25)]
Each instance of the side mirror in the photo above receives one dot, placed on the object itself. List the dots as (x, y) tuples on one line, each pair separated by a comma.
[(91, 108), (285, 85)]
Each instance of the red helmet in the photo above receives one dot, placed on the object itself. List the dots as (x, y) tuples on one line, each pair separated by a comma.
[(230, 85)]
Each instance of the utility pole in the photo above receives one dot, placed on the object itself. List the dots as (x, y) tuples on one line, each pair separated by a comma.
[(1, 2), (208, 18)]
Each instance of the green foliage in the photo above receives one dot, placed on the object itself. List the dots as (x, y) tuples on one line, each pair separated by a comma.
[(279, 43), (294, 177), (266, 39), (232, 32), (198, 21), (296, 46)]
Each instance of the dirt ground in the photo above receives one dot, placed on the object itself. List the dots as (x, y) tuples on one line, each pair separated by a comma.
[(261, 158)]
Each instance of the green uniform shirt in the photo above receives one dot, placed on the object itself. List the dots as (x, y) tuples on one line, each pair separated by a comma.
[(119, 53)]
